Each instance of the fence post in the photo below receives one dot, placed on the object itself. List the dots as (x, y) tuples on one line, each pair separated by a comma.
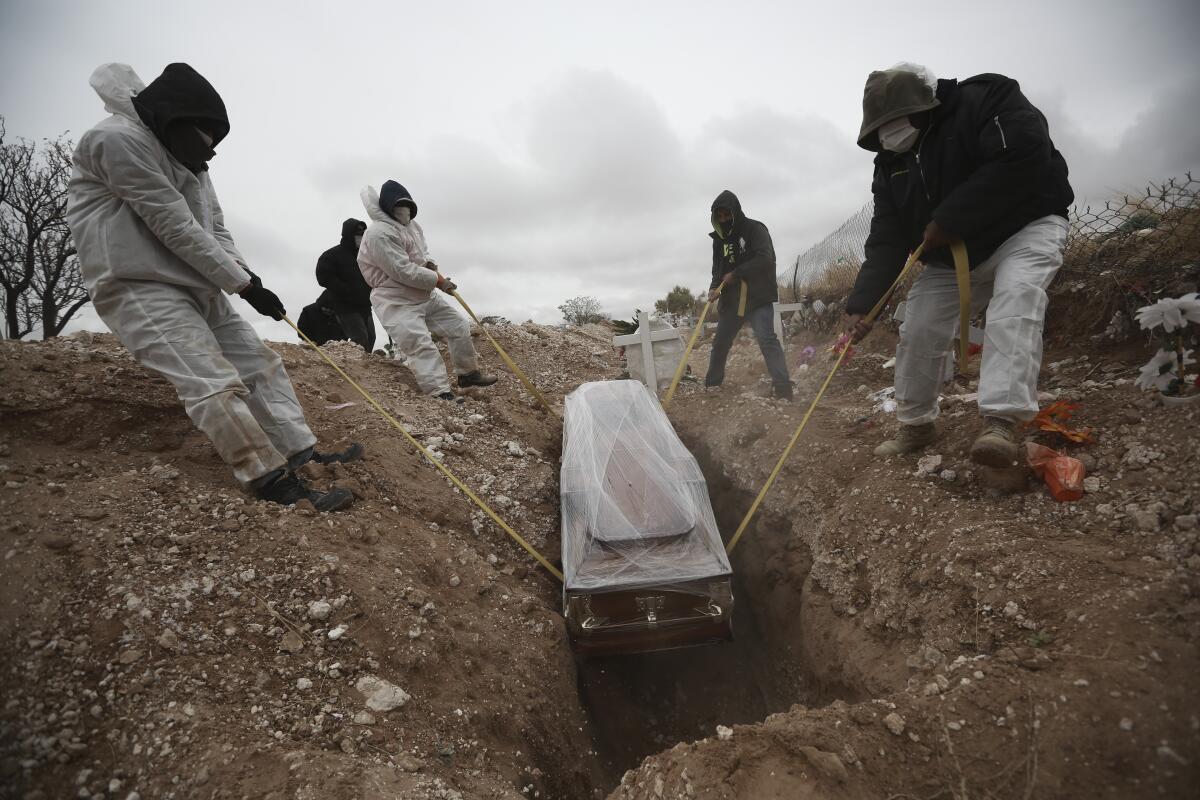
[(778, 321)]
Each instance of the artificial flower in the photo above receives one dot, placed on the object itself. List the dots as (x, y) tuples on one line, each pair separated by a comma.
[(1158, 372), (1171, 313)]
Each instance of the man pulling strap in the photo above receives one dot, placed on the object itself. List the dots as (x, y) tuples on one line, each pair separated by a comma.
[(973, 161), (158, 264)]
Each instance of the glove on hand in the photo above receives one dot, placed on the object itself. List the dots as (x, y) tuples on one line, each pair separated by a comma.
[(254, 279), (446, 285), (264, 301)]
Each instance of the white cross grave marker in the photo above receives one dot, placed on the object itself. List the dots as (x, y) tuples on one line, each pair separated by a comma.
[(646, 338)]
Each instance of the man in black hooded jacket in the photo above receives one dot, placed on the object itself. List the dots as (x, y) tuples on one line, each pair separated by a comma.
[(743, 273), (346, 293), (967, 160)]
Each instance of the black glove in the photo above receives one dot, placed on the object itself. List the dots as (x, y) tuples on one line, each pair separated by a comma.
[(254, 279), (447, 285), (264, 301)]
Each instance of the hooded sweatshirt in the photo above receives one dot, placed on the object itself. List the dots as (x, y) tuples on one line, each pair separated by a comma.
[(136, 212), (392, 256), (983, 166), (744, 248), (174, 105), (337, 270)]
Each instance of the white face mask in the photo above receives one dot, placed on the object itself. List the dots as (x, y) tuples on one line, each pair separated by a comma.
[(898, 136), (403, 214)]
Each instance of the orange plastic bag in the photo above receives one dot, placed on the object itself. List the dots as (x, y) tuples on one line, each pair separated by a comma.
[(1063, 474)]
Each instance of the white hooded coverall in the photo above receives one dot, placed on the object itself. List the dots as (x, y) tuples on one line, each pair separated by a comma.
[(392, 258), (155, 257)]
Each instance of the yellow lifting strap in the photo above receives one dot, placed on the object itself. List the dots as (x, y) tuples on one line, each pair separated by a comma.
[(429, 457), (883, 301), (687, 351), (962, 272), (512, 365)]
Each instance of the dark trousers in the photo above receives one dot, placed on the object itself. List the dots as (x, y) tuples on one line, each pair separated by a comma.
[(359, 327), (761, 322)]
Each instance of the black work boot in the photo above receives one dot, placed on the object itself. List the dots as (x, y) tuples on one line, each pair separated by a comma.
[(288, 489), (783, 391), (352, 453), (476, 378)]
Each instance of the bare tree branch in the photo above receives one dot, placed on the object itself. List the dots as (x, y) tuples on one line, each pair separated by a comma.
[(39, 270)]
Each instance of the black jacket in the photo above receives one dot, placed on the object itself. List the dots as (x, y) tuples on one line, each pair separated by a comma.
[(747, 251), (319, 324), (337, 271), (984, 167)]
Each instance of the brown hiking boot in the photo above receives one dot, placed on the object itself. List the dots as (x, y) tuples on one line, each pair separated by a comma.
[(910, 439), (997, 445)]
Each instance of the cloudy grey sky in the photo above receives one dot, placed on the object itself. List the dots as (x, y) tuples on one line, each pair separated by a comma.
[(559, 149)]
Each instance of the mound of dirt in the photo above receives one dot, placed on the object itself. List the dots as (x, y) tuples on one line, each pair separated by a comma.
[(953, 633), (911, 628), (170, 637)]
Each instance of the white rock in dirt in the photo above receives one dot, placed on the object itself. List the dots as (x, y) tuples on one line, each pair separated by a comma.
[(1011, 609), (1186, 522), (338, 632), (1091, 484), (1126, 724), (724, 733), (455, 580), (291, 642), (1146, 520), (319, 609), (929, 464), (169, 640), (381, 695), (894, 723), (364, 718), (303, 683), (948, 475), (513, 449)]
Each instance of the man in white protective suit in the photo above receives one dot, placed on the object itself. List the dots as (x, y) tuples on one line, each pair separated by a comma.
[(403, 278), (968, 161), (158, 263)]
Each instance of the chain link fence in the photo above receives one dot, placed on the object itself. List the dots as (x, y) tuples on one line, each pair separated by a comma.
[(1116, 255), (830, 264)]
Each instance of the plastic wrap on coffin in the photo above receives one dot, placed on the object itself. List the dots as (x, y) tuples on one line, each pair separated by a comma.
[(644, 563)]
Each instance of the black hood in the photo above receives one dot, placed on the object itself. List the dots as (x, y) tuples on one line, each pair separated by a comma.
[(727, 199), (175, 102), (393, 194), (351, 228), (894, 94)]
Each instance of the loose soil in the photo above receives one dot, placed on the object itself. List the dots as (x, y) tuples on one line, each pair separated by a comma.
[(900, 633)]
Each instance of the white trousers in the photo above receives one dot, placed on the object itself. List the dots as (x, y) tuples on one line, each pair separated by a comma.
[(410, 325), (1012, 284), (234, 387)]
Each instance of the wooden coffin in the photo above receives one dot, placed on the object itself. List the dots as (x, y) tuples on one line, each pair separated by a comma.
[(644, 565)]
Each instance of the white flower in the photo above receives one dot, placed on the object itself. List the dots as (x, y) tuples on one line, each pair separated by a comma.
[(1158, 373), (1170, 312), (1189, 304)]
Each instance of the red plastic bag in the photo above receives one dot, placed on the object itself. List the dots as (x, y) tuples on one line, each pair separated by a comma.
[(1063, 474)]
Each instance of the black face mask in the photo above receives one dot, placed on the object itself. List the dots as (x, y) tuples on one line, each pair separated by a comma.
[(185, 142)]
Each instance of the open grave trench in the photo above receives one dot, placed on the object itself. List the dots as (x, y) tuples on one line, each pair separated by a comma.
[(642, 704)]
